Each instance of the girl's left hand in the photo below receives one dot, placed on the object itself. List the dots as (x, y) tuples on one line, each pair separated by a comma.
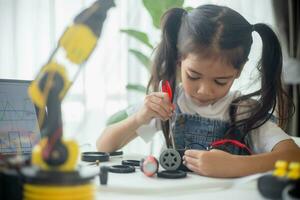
[(213, 163)]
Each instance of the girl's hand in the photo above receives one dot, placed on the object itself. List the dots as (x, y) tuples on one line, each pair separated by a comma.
[(214, 163), (156, 105)]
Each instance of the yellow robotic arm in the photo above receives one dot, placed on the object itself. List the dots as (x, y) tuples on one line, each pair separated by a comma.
[(53, 82)]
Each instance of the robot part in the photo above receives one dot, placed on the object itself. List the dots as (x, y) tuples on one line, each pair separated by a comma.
[(149, 166), (283, 183), (103, 176), (170, 159)]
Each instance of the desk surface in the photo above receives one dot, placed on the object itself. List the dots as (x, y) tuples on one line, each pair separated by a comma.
[(138, 186)]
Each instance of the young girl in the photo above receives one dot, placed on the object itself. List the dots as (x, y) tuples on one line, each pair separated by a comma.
[(226, 134)]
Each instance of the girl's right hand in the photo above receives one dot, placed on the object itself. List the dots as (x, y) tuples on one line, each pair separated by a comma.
[(156, 105)]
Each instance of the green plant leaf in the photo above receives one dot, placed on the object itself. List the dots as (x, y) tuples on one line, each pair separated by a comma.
[(142, 58), (136, 87), (117, 117), (138, 35), (156, 8)]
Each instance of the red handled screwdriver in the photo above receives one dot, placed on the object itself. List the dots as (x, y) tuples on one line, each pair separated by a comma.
[(164, 86)]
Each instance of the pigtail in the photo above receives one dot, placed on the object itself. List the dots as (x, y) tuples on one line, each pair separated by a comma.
[(270, 67), (271, 93), (166, 56)]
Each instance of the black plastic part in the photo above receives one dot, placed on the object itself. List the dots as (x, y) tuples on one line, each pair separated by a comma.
[(122, 169), (271, 186), (61, 150), (291, 192), (11, 184), (116, 153), (94, 156), (171, 174), (141, 164), (134, 163), (103, 176), (95, 15)]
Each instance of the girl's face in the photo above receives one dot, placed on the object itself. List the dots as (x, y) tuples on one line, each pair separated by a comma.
[(206, 81)]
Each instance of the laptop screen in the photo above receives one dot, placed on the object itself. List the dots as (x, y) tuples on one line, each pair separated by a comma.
[(19, 130)]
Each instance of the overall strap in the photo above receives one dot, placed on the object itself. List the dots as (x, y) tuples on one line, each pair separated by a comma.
[(177, 109)]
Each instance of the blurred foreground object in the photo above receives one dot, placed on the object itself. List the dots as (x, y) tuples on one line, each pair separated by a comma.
[(283, 183), (54, 160)]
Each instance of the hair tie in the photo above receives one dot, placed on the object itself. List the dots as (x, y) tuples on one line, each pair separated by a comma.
[(252, 27)]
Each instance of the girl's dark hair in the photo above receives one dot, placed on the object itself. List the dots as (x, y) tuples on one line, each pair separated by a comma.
[(212, 30)]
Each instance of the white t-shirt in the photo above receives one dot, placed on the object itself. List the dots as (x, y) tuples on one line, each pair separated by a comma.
[(263, 138)]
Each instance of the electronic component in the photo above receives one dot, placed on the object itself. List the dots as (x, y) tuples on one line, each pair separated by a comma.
[(149, 166)]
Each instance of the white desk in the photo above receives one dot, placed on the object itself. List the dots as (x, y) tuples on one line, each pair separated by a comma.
[(136, 185)]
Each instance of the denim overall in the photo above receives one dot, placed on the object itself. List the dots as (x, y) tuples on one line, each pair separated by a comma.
[(192, 131)]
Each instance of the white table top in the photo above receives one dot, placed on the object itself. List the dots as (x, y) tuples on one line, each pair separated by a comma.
[(138, 186)]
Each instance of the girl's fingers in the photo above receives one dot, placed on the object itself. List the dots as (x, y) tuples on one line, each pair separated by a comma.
[(192, 153), (160, 105), (162, 95), (191, 167), (157, 109), (191, 160), (166, 106)]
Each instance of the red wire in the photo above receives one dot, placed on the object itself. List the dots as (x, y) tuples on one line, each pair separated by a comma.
[(234, 142)]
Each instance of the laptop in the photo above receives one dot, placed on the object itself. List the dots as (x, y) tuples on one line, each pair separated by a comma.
[(19, 130)]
